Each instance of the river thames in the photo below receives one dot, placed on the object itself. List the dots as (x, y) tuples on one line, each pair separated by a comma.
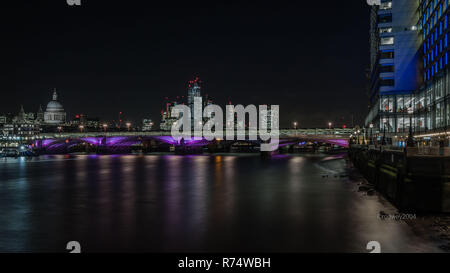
[(210, 203)]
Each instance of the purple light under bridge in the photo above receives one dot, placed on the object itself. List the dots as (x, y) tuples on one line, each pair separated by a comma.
[(188, 142)]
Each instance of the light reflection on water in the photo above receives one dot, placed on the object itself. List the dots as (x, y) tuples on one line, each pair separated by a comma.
[(193, 203)]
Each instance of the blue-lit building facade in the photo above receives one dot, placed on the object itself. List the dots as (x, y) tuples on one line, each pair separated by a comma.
[(395, 66), (432, 100)]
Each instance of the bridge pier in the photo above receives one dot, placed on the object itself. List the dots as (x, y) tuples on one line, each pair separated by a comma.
[(101, 147), (188, 150)]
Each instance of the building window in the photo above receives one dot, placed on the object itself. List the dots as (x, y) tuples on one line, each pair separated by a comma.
[(387, 82), (387, 40), (387, 55), (386, 68), (387, 104), (386, 30), (439, 116), (386, 5), (385, 18)]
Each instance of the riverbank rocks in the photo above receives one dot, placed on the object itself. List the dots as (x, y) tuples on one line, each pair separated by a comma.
[(419, 184)]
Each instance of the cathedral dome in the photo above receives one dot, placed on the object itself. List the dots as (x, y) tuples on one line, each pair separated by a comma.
[(54, 114), (54, 106)]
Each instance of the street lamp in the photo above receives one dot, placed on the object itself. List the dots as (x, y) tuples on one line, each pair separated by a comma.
[(364, 136), (383, 142), (105, 126), (371, 134), (295, 123), (59, 129), (81, 128), (410, 142), (128, 126), (329, 125)]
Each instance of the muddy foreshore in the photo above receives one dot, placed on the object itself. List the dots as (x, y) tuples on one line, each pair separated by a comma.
[(431, 227)]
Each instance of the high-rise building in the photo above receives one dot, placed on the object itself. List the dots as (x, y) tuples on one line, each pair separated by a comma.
[(409, 52), (147, 125), (167, 120), (194, 91), (394, 73), (432, 99)]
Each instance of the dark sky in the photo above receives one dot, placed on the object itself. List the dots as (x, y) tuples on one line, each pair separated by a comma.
[(309, 57)]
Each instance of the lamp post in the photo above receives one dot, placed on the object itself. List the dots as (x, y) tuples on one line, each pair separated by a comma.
[(371, 134), (383, 142), (105, 126), (329, 125), (364, 136), (410, 142), (128, 126), (59, 129), (81, 128)]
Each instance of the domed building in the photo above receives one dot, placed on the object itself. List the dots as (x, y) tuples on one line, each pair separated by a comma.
[(54, 114)]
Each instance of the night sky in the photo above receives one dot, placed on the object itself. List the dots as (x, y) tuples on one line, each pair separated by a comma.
[(309, 57)]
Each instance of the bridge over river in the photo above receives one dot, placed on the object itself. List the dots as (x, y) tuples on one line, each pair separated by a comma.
[(123, 141)]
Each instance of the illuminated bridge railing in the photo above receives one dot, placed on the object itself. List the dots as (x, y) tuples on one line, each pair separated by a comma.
[(59, 142), (328, 133)]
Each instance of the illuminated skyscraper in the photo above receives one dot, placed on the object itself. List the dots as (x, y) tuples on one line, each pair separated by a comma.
[(432, 100), (167, 120), (194, 91), (395, 64)]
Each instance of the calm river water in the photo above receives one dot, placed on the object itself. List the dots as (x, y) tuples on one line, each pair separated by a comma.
[(167, 203)]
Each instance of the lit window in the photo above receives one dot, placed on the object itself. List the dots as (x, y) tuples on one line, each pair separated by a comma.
[(387, 40), (386, 5), (386, 30)]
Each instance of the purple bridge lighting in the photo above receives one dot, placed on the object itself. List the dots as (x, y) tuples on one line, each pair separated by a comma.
[(123, 143)]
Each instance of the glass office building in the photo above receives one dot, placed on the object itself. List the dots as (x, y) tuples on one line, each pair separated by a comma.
[(394, 73), (432, 99)]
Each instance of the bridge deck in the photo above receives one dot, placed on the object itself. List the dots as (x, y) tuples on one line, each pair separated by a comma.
[(286, 133)]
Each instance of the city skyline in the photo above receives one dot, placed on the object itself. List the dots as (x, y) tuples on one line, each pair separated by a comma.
[(196, 131), (122, 119), (154, 50)]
